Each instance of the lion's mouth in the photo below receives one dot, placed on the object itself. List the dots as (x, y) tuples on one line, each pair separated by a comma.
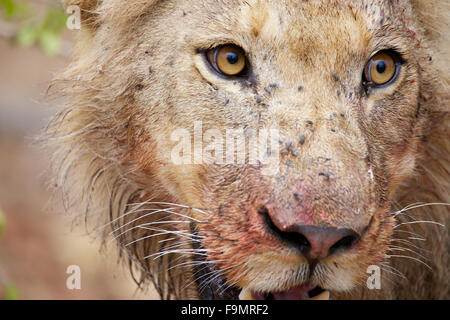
[(214, 290), (306, 291), (217, 288)]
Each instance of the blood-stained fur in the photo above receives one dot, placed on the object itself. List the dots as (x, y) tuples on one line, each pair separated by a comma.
[(349, 157)]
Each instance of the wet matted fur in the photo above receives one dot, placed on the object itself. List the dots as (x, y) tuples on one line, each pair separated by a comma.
[(137, 75)]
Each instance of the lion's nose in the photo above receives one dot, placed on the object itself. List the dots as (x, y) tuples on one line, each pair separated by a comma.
[(315, 243), (320, 242)]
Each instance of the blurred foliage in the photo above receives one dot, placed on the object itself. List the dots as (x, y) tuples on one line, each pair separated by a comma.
[(2, 223), (44, 32), (14, 9), (11, 292)]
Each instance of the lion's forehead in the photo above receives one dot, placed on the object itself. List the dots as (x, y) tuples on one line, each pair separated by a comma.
[(329, 34), (274, 19)]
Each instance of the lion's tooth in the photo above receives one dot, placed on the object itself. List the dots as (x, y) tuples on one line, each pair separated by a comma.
[(246, 294), (323, 296)]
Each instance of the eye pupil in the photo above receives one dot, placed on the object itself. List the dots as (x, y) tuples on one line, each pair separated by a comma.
[(381, 66), (382, 69), (227, 60), (232, 57)]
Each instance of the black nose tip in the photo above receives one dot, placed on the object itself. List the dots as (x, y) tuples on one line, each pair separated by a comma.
[(315, 242)]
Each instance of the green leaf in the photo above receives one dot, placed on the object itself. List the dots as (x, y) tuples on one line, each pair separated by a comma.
[(46, 32), (50, 42), (14, 9), (54, 21), (11, 292), (52, 26), (27, 35), (8, 6)]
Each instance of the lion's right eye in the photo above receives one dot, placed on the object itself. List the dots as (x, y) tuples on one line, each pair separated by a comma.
[(382, 69), (227, 60)]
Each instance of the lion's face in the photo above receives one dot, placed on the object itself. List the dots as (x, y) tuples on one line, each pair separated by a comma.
[(345, 142), (340, 83)]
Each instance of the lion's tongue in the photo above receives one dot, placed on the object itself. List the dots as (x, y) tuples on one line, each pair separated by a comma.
[(296, 293), (301, 292)]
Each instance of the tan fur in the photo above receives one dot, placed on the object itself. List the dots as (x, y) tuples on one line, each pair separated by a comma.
[(136, 77)]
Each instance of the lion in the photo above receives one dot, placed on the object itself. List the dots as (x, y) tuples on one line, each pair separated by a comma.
[(358, 94)]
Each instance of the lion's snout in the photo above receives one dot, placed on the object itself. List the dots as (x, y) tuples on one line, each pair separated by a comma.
[(314, 242)]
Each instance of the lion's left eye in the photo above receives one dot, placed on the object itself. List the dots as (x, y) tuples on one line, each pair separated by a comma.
[(228, 60), (382, 69)]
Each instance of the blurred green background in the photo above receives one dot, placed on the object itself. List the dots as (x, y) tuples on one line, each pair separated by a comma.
[(37, 242)]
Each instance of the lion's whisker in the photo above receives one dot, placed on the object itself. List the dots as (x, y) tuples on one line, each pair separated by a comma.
[(422, 221), (409, 243), (214, 275), (154, 212), (195, 263), (200, 277), (157, 255), (175, 204), (418, 237), (173, 232), (134, 220), (420, 206), (145, 225), (232, 281), (397, 248), (393, 270), (412, 258)]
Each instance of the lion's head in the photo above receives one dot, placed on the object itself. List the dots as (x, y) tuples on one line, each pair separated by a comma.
[(356, 91)]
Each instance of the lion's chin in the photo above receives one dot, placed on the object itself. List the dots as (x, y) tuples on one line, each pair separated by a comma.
[(305, 291)]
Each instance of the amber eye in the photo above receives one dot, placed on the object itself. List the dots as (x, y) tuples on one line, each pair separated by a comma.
[(228, 60), (382, 69)]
